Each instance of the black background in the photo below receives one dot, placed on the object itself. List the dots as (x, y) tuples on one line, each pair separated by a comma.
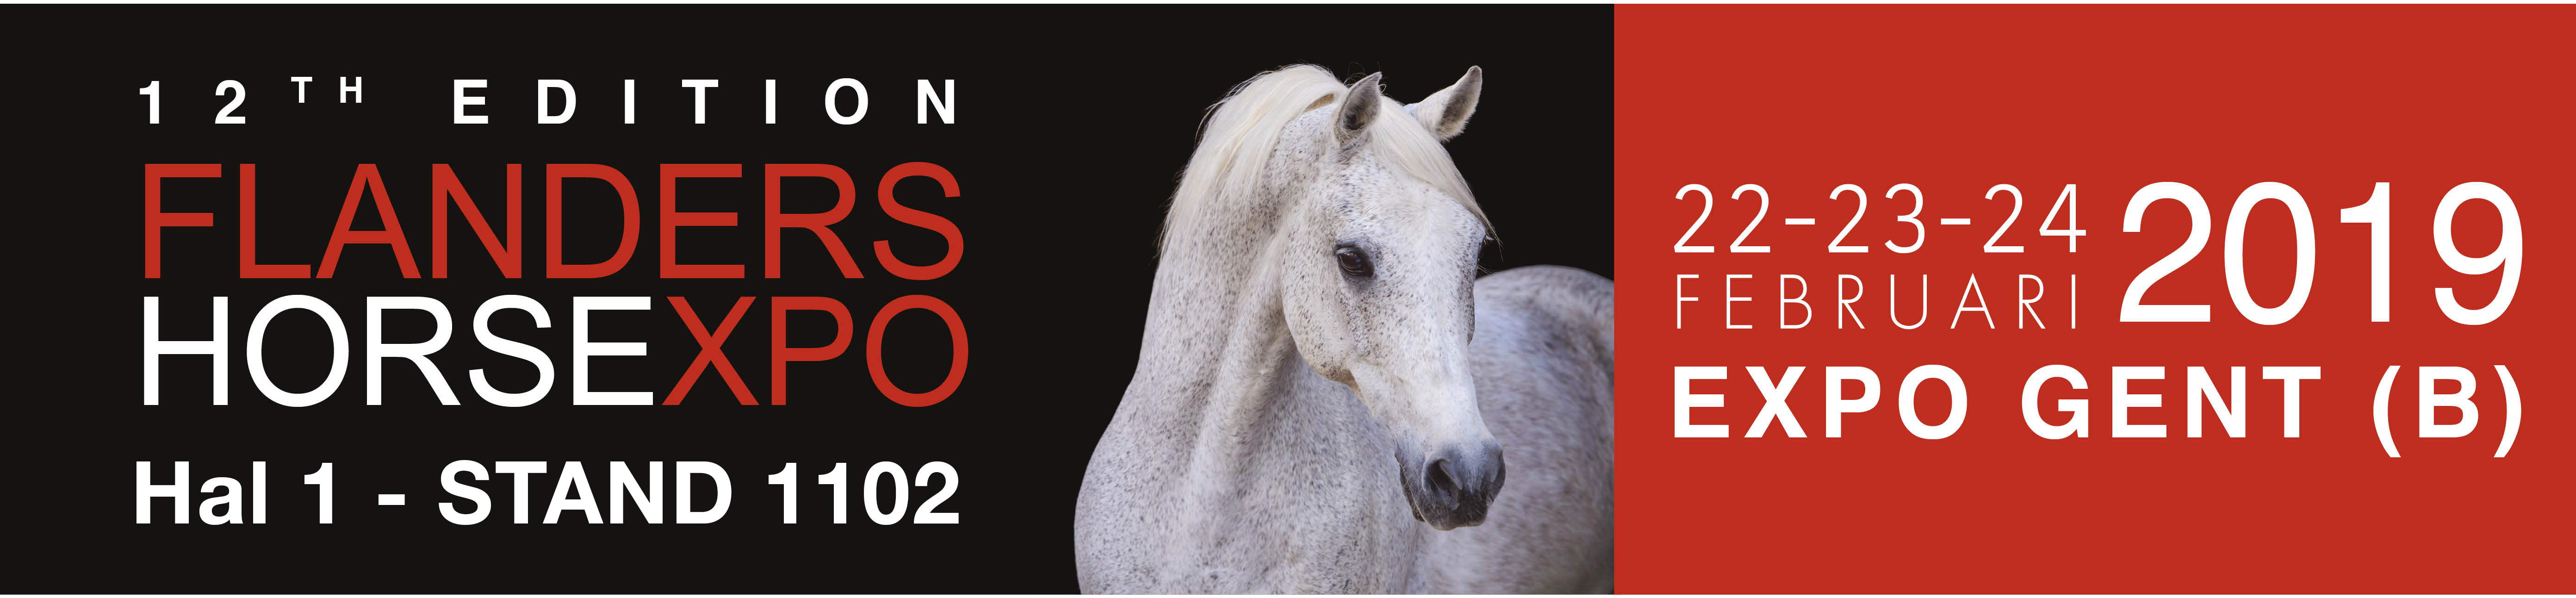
[(1072, 125)]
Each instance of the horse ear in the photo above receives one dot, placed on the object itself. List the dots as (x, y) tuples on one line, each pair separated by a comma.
[(1446, 111), (1359, 109)]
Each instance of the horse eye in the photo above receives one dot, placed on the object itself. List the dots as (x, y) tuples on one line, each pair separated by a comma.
[(1354, 262)]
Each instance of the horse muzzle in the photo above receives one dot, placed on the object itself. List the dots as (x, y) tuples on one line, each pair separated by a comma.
[(1453, 487)]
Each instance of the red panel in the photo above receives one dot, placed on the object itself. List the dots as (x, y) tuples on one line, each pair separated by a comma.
[(2329, 100)]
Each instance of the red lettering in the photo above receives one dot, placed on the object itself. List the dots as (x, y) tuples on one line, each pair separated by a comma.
[(250, 266), (780, 353), (154, 218), (673, 219), (444, 186), (885, 199), (819, 222), (710, 352), (956, 341), (366, 180), (555, 175)]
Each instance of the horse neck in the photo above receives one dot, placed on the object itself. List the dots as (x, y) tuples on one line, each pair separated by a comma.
[(1219, 373), (1216, 340), (1243, 426)]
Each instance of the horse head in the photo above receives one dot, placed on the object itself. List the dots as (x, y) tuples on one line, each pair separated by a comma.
[(1378, 277)]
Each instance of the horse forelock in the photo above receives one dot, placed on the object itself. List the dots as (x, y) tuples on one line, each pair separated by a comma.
[(1238, 134)]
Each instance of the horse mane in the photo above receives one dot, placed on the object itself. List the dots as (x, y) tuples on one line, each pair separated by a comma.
[(1239, 133)]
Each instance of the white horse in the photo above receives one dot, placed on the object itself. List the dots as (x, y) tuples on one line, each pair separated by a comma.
[(1327, 392)]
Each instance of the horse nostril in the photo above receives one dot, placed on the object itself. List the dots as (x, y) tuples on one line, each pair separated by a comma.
[(1442, 484)]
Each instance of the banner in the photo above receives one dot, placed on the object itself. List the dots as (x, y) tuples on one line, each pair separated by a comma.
[(1294, 299)]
